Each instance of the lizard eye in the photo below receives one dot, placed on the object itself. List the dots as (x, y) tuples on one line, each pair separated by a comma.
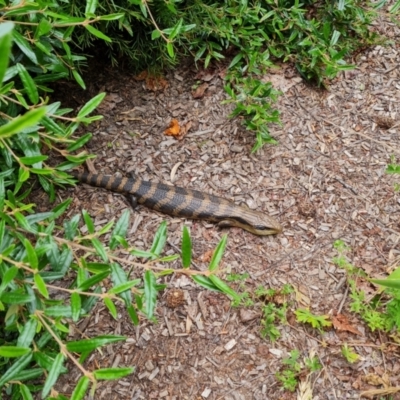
[(261, 228)]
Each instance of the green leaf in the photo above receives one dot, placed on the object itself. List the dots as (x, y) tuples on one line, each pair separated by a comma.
[(170, 49), (80, 346), (31, 254), (11, 273), (155, 34), (33, 159), (121, 228), (13, 351), (91, 6), (334, 38), (24, 46), (5, 47), (186, 247), (80, 142), (76, 306), (118, 277), (205, 282), (133, 314), (95, 279), (25, 392), (124, 286), (218, 253), (150, 293), (111, 307), (41, 286), (28, 333), (159, 240), (80, 388), (88, 221), (97, 33), (53, 375), (15, 368), (29, 84), (16, 298), (224, 288), (78, 78), (176, 29), (143, 254), (91, 105), (111, 17), (112, 373), (22, 122), (390, 283), (99, 249)]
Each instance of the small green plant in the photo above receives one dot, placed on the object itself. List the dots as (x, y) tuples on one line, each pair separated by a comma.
[(349, 354), (316, 321), (288, 377), (381, 311), (274, 312)]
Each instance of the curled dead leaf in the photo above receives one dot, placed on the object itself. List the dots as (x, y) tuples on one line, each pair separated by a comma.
[(341, 323), (173, 129), (200, 90)]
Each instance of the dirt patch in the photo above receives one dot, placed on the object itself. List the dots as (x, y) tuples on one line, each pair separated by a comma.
[(324, 181)]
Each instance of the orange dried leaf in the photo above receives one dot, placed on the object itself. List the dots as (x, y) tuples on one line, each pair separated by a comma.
[(199, 92), (174, 128), (341, 323)]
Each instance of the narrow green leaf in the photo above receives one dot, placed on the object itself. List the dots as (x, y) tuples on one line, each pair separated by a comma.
[(15, 368), (390, 283), (118, 277), (159, 240), (80, 388), (80, 346), (101, 251), (22, 122), (170, 49), (170, 258), (13, 351), (112, 373), (53, 375), (91, 105), (88, 221), (186, 247), (5, 47), (16, 298), (121, 229), (41, 285), (76, 306), (112, 17), (142, 254), (176, 29), (218, 253), (25, 338), (150, 293), (94, 280), (24, 46), (25, 392), (31, 254), (29, 84), (223, 287), (133, 314), (33, 159), (205, 282), (80, 142), (97, 33), (10, 274), (23, 174), (111, 307), (78, 79), (124, 286), (91, 6)]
